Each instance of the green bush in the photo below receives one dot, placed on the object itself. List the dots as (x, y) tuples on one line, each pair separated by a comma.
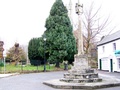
[(35, 62), (1, 64), (33, 52)]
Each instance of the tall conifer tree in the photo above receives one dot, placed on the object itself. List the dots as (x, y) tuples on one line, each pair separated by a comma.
[(60, 43)]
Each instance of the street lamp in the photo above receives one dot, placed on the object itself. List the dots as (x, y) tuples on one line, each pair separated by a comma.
[(44, 55), (4, 57)]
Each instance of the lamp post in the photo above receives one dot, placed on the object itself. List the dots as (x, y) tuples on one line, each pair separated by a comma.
[(79, 11), (44, 55), (4, 57)]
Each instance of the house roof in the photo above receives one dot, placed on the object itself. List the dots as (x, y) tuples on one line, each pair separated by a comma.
[(109, 38)]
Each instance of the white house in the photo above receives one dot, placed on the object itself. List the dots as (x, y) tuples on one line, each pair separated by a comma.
[(109, 53)]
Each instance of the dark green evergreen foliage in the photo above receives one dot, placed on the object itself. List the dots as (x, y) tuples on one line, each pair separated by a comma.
[(33, 53), (60, 44)]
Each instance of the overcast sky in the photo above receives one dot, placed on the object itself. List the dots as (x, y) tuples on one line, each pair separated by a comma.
[(21, 20)]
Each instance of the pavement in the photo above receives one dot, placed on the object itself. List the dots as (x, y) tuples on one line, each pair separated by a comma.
[(107, 81), (7, 75)]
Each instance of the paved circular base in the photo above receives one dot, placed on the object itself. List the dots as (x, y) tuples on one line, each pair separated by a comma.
[(56, 83)]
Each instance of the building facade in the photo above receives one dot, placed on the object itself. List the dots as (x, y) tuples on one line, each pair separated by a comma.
[(109, 53)]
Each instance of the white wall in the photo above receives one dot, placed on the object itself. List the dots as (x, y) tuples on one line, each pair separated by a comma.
[(108, 54)]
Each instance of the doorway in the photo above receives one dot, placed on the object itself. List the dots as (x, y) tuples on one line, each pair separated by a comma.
[(111, 65)]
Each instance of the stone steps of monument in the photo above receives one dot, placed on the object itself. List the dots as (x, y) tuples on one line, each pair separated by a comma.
[(90, 71), (79, 73), (82, 71), (81, 80), (79, 76)]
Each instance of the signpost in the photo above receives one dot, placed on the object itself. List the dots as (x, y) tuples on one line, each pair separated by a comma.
[(1, 49), (1, 55)]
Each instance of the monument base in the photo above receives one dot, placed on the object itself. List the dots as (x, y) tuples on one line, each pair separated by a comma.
[(106, 83), (81, 76), (81, 72)]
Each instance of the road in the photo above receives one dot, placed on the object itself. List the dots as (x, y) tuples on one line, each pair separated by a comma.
[(34, 81)]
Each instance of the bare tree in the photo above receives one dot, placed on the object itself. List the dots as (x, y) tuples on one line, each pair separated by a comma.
[(92, 26), (16, 54)]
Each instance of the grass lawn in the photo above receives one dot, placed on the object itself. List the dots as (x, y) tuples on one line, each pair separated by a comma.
[(28, 68)]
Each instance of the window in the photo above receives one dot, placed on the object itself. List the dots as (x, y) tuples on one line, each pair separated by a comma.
[(103, 48), (118, 62), (114, 46)]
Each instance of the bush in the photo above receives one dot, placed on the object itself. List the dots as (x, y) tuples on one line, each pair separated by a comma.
[(1, 64), (33, 52), (35, 62)]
